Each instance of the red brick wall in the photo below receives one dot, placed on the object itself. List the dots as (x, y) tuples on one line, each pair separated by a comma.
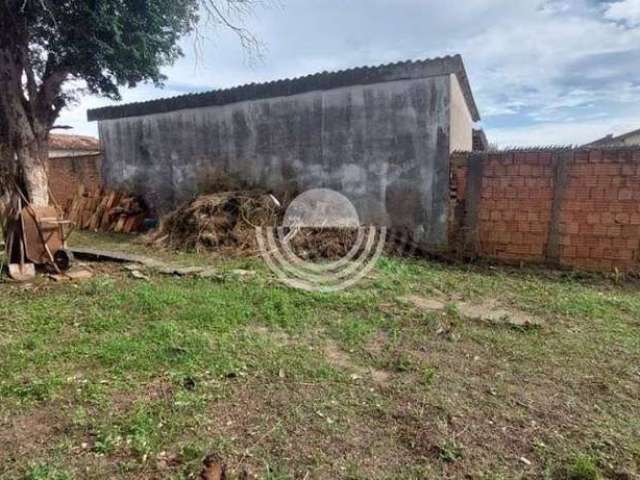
[(578, 208), (66, 174)]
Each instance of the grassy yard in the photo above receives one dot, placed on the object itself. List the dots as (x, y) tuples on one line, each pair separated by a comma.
[(122, 378)]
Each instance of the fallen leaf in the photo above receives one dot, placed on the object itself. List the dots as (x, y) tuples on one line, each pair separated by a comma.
[(213, 470)]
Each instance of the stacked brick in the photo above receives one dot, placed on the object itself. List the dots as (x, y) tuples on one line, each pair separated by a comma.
[(578, 208)]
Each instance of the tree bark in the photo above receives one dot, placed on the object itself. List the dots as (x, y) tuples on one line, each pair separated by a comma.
[(25, 160), (33, 160), (24, 125)]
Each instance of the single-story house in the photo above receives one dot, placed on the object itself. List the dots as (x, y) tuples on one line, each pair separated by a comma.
[(380, 135)]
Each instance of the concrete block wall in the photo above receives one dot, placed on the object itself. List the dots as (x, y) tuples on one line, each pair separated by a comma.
[(385, 146), (575, 208), (66, 174), (380, 135)]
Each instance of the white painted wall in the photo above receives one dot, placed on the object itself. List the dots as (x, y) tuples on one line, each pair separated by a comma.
[(461, 122)]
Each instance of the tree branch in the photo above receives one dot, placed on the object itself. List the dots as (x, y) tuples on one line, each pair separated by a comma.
[(239, 9), (48, 107)]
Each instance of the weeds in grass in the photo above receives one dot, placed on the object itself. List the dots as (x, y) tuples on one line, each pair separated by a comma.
[(450, 451), (276, 473), (191, 367), (583, 467), (402, 362), (428, 376), (106, 442), (46, 472)]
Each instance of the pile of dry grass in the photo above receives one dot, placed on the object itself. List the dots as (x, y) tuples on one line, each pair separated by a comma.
[(323, 243), (225, 220), (336, 243)]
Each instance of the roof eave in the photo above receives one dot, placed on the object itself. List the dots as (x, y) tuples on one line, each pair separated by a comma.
[(288, 87)]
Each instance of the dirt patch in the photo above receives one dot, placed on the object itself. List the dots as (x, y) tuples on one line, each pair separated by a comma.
[(491, 311), (377, 344), (421, 303), (381, 377), (340, 359), (26, 433), (321, 439)]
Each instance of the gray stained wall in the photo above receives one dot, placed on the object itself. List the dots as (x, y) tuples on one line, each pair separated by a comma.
[(385, 146)]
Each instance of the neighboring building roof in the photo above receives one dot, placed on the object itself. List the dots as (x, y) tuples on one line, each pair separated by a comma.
[(611, 140), (65, 146), (281, 88), (73, 142)]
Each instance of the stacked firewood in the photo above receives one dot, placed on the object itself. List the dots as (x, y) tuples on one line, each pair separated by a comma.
[(106, 211)]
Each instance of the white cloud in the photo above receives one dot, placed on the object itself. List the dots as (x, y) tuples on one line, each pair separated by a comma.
[(624, 11), (575, 132), (532, 63)]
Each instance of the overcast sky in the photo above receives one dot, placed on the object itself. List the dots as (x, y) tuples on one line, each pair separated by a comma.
[(542, 71)]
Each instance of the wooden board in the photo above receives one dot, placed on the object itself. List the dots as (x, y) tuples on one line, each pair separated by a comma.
[(105, 210)]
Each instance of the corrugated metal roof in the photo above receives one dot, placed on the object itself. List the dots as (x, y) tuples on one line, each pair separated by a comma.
[(293, 86)]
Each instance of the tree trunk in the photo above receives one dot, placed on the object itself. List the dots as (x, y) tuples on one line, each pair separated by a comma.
[(24, 129), (24, 159), (33, 161)]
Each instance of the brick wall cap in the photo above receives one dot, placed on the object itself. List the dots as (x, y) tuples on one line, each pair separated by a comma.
[(552, 149)]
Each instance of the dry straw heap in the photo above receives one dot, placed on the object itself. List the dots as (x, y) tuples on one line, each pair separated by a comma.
[(225, 220)]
